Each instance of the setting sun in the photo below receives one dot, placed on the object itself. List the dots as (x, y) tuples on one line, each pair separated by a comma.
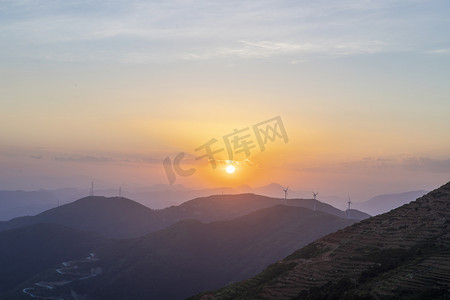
[(230, 169)]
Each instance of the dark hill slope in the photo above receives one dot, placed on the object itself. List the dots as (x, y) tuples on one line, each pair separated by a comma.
[(115, 217), (119, 217), (401, 254), (191, 256), (24, 252), (225, 207)]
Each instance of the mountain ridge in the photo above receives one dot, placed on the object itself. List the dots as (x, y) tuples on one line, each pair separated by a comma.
[(192, 255), (401, 253), (159, 196), (115, 217), (119, 217)]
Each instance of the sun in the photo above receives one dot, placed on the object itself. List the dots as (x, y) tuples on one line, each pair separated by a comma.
[(230, 169)]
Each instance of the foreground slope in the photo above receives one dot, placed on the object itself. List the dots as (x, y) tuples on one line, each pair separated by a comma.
[(401, 254)]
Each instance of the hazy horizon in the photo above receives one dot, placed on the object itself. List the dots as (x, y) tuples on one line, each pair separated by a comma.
[(104, 92)]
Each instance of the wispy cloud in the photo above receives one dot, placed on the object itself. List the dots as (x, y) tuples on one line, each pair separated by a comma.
[(265, 49), (440, 51), (401, 163), (147, 32), (427, 164), (84, 159)]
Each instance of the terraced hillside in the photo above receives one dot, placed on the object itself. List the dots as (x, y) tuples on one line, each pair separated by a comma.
[(401, 254)]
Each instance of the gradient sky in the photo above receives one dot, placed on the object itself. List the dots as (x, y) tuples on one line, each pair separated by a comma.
[(105, 90)]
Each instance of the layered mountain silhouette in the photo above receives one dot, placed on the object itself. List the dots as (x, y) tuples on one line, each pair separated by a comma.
[(119, 217), (191, 256), (111, 217), (159, 196), (201, 244), (213, 241), (384, 203), (404, 253), (221, 207), (21, 203)]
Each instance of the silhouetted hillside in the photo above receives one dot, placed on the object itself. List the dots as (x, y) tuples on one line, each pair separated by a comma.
[(223, 207), (120, 217), (112, 217), (191, 256), (218, 207), (401, 254)]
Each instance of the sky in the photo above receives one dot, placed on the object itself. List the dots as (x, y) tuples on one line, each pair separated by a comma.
[(104, 91)]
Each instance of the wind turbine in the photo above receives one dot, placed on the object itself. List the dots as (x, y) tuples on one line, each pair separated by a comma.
[(285, 193), (91, 192), (315, 194), (348, 210)]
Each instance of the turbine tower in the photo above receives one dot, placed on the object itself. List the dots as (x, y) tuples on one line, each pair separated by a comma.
[(348, 210), (285, 194), (91, 192), (315, 194), (120, 192)]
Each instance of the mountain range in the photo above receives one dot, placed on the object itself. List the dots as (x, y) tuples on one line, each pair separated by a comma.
[(22, 203), (402, 254), (119, 217), (193, 256), (115, 248), (211, 236), (384, 203)]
